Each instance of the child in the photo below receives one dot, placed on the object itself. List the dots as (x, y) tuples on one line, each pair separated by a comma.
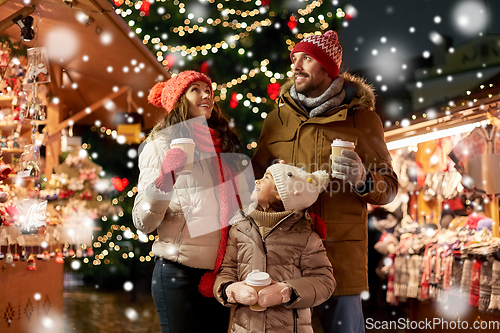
[(278, 237)]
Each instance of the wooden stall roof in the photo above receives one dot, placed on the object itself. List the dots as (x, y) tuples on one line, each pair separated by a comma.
[(134, 67)]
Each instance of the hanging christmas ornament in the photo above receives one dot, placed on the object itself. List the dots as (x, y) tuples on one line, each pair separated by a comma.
[(118, 3), (90, 252), (265, 2), (273, 89), (144, 9), (59, 257), (24, 255), (65, 252), (31, 263), (9, 258), (52, 254), (71, 253), (16, 257), (292, 22), (119, 184), (46, 255), (204, 67), (2, 255), (39, 256), (169, 61), (38, 66), (233, 103), (350, 12)]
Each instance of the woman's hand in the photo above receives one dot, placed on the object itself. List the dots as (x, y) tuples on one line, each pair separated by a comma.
[(239, 292), (172, 163)]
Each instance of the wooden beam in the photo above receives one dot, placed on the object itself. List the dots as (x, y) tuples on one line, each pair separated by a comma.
[(2, 2), (8, 21), (85, 112)]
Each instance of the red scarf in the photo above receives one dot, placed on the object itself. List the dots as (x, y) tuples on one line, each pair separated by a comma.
[(208, 140)]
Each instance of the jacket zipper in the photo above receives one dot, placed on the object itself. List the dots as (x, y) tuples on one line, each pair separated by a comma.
[(295, 316), (263, 239)]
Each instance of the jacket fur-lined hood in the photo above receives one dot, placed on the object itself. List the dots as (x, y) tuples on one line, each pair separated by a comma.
[(365, 92)]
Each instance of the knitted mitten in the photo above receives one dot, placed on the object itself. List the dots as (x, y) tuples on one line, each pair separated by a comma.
[(275, 294), (241, 293), (174, 161)]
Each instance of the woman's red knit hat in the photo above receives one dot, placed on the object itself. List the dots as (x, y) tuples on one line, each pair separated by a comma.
[(325, 49), (166, 94)]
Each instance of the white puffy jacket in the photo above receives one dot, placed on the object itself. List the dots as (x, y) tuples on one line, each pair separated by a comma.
[(188, 217)]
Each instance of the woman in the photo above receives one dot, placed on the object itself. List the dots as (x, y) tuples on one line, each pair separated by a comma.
[(168, 202)]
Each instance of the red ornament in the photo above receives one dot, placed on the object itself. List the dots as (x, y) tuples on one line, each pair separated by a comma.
[(233, 103), (273, 89), (119, 184), (292, 23), (170, 60), (204, 67), (265, 2), (144, 9), (118, 3)]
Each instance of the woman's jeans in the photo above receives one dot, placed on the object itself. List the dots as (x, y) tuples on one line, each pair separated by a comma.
[(180, 306)]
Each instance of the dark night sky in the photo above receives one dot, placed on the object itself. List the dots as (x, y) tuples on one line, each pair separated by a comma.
[(393, 19)]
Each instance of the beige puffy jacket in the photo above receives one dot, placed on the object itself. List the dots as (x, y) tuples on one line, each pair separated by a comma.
[(293, 253), (195, 195)]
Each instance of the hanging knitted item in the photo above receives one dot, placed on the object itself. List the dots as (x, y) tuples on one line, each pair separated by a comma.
[(403, 290), (456, 279), (426, 272), (390, 297), (466, 276), (397, 275), (447, 266), (485, 286), (413, 275), (475, 283), (495, 286)]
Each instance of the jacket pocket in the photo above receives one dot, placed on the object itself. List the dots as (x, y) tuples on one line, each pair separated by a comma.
[(346, 231), (281, 144)]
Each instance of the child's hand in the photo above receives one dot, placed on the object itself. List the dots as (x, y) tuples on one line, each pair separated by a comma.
[(274, 294), (239, 292)]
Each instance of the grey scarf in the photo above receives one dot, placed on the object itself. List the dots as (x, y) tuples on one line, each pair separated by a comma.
[(331, 98)]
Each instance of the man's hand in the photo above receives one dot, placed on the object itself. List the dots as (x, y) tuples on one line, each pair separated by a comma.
[(239, 292), (274, 294), (349, 168)]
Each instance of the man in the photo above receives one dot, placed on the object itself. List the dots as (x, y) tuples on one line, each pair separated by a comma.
[(316, 107)]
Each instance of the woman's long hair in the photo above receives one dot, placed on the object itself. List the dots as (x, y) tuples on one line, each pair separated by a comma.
[(180, 113)]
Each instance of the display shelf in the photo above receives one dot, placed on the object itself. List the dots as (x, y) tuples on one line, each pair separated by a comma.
[(6, 102), (12, 151)]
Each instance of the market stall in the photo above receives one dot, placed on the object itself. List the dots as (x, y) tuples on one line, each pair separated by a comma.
[(443, 251), (62, 63)]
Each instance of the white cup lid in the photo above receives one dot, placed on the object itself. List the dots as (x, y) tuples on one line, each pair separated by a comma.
[(258, 278), (181, 141), (340, 143)]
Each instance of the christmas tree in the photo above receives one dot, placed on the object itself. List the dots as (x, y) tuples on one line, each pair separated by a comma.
[(243, 46)]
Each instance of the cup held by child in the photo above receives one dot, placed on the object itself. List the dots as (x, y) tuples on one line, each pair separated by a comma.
[(337, 146), (187, 145), (257, 280)]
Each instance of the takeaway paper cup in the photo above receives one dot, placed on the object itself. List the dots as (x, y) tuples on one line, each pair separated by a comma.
[(187, 145), (257, 280), (338, 145)]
